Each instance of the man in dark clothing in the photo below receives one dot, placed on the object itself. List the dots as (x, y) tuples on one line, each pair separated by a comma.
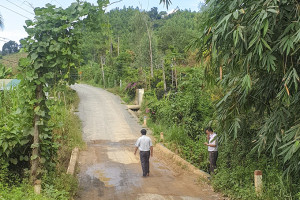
[(144, 144), (212, 149)]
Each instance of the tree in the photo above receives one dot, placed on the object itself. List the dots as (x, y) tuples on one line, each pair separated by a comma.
[(153, 13), (144, 36), (177, 31), (10, 47), (53, 55), (252, 48), (96, 33)]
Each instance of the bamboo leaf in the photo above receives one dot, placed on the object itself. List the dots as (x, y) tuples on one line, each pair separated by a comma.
[(296, 78), (266, 44), (273, 11), (266, 26), (252, 41), (236, 14)]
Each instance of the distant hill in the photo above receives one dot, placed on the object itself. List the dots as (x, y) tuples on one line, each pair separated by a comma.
[(12, 60)]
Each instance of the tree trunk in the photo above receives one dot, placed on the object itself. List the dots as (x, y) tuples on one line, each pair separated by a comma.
[(150, 49), (175, 74), (172, 76), (35, 150), (118, 46), (111, 47), (102, 68), (164, 77)]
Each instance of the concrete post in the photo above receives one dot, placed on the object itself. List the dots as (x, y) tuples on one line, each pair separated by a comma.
[(145, 121), (258, 182), (162, 136), (136, 99), (73, 160), (37, 186), (140, 97)]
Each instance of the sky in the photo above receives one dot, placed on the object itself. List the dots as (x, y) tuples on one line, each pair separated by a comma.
[(15, 12)]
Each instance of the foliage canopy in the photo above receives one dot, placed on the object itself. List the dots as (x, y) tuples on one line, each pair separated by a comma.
[(254, 47)]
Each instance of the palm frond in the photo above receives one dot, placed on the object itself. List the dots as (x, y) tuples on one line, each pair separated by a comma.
[(166, 2)]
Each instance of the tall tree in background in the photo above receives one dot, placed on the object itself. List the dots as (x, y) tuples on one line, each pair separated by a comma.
[(143, 36), (177, 32), (95, 42), (10, 47), (121, 26)]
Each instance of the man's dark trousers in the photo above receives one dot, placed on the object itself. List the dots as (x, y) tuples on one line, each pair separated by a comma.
[(144, 156), (213, 156)]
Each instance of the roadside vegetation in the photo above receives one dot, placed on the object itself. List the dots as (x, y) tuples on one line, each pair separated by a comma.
[(16, 129)]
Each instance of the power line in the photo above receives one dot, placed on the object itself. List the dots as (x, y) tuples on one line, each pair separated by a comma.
[(3, 38), (15, 12), (57, 2), (20, 7), (29, 5)]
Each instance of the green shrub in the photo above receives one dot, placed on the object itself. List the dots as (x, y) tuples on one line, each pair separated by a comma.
[(235, 173), (66, 134), (20, 192), (59, 186)]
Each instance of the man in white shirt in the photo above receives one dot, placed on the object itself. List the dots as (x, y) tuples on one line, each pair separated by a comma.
[(144, 144), (212, 148)]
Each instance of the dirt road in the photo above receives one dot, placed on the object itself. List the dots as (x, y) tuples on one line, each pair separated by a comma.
[(108, 168)]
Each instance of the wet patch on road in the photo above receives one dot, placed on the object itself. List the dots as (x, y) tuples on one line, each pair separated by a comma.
[(164, 197), (113, 175)]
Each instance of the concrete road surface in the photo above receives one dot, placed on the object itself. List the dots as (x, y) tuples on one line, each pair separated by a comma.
[(108, 168)]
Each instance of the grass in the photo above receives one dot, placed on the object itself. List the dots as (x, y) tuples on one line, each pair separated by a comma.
[(21, 192), (12, 60)]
